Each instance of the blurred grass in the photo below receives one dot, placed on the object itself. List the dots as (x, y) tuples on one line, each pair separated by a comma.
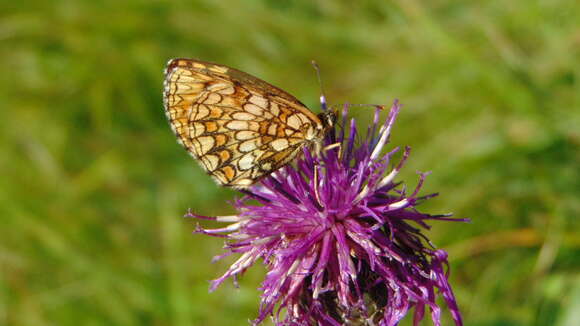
[(93, 184)]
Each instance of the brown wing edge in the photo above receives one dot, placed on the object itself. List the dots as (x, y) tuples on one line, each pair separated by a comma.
[(233, 73)]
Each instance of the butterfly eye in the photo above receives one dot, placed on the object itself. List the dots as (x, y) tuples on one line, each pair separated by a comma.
[(331, 118), (328, 119)]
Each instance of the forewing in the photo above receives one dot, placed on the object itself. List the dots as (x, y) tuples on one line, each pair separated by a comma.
[(237, 126)]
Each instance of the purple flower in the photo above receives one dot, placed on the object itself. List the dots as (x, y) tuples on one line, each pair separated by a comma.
[(341, 240)]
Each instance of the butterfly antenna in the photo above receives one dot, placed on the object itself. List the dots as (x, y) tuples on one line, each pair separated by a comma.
[(381, 107), (322, 97)]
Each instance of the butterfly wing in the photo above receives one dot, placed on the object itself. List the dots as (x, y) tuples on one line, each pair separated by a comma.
[(237, 126)]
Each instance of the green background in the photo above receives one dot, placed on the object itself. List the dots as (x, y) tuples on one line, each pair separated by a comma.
[(93, 184)]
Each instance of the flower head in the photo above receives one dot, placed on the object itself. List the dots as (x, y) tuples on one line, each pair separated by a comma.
[(341, 240)]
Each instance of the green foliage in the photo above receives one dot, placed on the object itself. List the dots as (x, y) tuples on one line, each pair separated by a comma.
[(93, 184)]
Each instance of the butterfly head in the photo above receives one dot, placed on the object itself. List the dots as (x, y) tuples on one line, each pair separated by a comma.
[(328, 119)]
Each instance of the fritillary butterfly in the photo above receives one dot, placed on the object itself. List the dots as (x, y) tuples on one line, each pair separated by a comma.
[(237, 126)]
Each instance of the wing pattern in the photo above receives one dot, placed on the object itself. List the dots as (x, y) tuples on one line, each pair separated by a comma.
[(237, 126)]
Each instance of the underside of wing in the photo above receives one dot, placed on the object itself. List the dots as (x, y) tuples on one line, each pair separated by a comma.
[(238, 127)]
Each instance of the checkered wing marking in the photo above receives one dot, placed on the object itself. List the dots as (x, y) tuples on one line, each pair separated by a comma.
[(237, 126)]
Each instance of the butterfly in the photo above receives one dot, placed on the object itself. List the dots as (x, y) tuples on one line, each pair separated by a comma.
[(239, 128)]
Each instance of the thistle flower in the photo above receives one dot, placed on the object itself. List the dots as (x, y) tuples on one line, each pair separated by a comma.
[(341, 241)]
